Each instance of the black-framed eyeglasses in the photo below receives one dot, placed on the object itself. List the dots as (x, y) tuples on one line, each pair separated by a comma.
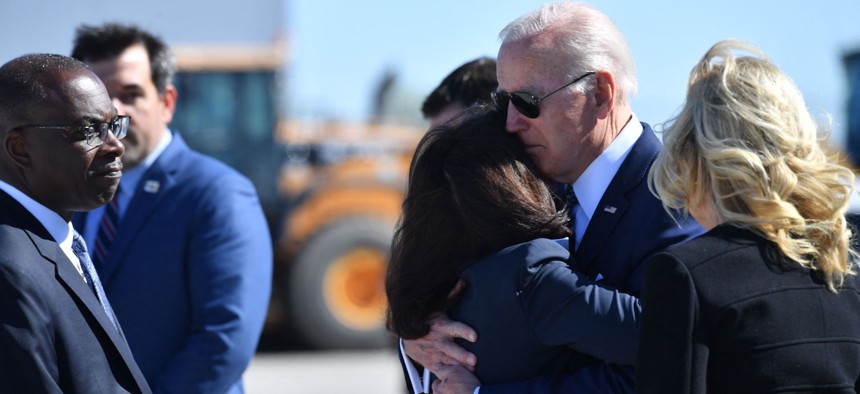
[(525, 102), (96, 133)]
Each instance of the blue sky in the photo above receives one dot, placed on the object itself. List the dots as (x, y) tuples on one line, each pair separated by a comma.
[(339, 48)]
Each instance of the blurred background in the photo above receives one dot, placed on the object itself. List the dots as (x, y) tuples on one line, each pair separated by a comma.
[(318, 102)]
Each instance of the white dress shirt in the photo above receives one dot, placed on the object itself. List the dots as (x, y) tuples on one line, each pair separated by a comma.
[(592, 184)]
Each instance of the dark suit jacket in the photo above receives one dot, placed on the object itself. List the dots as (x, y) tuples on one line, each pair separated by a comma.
[(189, 273), (536, 317), (727, 313), (628, 227), (54, 335)]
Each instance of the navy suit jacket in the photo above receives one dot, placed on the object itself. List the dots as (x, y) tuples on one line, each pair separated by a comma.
[(54, 335), (728, 313), (536, 317), (189, 273), (628, 227)]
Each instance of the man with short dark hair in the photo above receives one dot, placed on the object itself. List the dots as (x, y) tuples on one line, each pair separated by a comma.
[(184, 251), (466, 85), (60, 154)]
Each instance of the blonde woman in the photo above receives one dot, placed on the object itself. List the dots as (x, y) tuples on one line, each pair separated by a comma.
[(767, 299)]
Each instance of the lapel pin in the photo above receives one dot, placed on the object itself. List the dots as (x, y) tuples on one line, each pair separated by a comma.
[(610, 209), (151, 186)]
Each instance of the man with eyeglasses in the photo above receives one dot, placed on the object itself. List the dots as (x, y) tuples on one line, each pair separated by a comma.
[(60, 154), (184, 251), (565, 76)]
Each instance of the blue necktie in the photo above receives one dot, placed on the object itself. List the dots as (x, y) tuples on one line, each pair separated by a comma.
[(106, 231), (79, 247)]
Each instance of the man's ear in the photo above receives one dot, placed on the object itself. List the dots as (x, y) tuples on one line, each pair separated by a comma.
[(168, 103), (604, 93), (17, 147)]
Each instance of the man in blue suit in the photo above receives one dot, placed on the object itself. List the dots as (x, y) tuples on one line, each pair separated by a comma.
[(565, 76), (60, 154), (184, 251)]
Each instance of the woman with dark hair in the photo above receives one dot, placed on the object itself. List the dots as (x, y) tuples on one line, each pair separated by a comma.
[(476, 211)]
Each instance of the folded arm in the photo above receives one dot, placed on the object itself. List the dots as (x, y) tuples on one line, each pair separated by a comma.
[(565, 308)]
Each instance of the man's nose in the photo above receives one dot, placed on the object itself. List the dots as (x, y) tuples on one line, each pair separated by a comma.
[(113, 144), (515, 121)]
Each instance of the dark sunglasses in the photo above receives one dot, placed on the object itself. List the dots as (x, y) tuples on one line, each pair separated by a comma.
[(95, 134), (526, 103)]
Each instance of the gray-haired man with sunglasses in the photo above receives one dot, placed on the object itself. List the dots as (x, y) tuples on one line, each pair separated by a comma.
[(565, 76)]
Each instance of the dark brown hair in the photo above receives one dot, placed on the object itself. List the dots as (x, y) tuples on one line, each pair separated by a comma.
[(97, 43), (472, 191), (468, 84)]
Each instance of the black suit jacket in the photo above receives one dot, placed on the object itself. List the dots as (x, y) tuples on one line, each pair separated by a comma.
[(727, 313), (54, 335)]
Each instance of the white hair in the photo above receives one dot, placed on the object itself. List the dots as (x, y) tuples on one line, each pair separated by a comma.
[(585, 40)]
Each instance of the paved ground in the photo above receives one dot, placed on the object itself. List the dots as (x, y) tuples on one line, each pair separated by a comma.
[(358, 372)]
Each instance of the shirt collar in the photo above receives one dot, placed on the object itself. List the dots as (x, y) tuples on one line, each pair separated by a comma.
[(57, 227), (594, 181)]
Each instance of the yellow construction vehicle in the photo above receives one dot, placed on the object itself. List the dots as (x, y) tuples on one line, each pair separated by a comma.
[(331, 191)]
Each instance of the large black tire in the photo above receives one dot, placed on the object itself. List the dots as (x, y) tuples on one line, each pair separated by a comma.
[(337, 286)]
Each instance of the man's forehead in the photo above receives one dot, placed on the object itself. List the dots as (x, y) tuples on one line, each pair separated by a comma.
[(84, 83), (129, 65), (522, 72), (77, 96)]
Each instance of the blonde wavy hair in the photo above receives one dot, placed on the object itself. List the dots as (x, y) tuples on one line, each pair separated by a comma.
[(745, 140)]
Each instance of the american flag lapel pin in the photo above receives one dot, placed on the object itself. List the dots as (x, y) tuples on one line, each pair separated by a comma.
[(610, 209), (151, 186)]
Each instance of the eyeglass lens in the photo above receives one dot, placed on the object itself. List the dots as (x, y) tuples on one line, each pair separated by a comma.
[(118, 127), (526, 103)]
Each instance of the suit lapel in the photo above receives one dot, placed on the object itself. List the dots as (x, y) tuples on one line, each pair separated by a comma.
[(71, 280), (614, 204), (153, 186)]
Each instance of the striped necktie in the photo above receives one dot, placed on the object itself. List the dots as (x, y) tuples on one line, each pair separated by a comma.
[(79, 247), (572, 202), (107, 231)]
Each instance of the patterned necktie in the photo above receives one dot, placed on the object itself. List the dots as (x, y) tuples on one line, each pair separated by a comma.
[(107, 231), (572, 202), (79, 247)]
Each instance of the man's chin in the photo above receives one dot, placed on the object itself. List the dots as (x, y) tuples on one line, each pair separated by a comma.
[(92, 205)]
